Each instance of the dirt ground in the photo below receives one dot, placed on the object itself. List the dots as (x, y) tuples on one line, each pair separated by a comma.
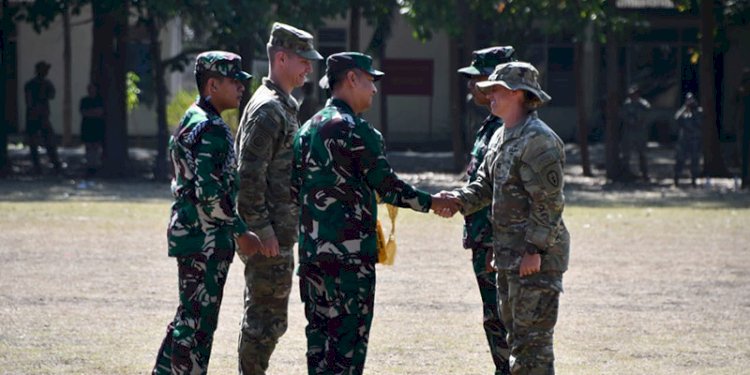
[(657, 281)]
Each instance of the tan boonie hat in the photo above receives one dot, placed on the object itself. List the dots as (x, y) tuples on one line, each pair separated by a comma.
[(294, 39), (516, 75)]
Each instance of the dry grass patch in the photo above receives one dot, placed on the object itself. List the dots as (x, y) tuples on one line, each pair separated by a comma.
[(87, 288)]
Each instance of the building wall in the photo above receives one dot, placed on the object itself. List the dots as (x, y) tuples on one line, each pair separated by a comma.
[(48, 46), (411, 119)]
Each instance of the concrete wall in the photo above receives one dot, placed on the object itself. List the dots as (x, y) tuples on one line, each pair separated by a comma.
[(48, 46)]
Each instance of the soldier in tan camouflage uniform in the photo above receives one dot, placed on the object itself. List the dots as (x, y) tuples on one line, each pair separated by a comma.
[(477, 226), (204, 223), (522, 177), (264, 142)]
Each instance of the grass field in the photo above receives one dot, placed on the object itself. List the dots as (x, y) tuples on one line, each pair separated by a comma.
[(86, 288)]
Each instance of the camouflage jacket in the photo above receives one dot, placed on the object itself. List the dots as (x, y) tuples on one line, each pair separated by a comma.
[(339, 164), (264, 149), (477, 226), (522, 176), (633, 114), (689, 124), (205, 184), (39, 91)]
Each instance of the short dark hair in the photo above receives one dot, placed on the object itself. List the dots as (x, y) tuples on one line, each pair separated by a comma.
[(271, 51), (202, 78), (341, 76)]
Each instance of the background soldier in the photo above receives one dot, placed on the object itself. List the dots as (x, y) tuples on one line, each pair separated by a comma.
[(689, 121), (264, 146), (477, 227), (339, 165), (204, 222), (634, 130), (522, 176), (39, 91)]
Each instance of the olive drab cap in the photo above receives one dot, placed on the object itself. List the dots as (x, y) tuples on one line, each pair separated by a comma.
[(485, 60), (516, 75), (294, 39), (224, 63), (339, 62)]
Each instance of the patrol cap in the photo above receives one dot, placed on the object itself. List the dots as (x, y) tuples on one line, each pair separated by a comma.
[(516, 75), (294, 39), (342, 61), (224, 63), (485, 60)]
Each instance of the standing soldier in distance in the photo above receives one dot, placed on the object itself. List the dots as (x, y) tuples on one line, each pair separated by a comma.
[(689, 121), (522, 177), (38, 92), (264, 146), (204, 223), (634, 130), (477, 226), (339, 165)]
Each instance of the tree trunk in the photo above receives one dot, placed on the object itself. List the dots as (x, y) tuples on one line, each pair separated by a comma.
[(459, 158), (383, 97), (67, 138), (108, 70), (583, 118), (713, 163), (612, 129), (354, 21), (247, 51), (160, 165), (5, 22)]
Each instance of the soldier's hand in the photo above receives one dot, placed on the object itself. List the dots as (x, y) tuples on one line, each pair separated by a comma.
[(270, 246), (445, 204), (249, 244), (530, 264)]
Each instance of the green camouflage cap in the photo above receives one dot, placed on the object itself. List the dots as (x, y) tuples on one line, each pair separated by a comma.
[(485, 60), (342, 61), (224, 63), (293, 39), (516, 75)]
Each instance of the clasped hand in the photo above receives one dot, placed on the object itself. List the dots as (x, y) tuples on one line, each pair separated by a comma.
[(445, 204)]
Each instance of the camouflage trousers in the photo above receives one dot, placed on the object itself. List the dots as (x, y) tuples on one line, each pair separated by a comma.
[(186, 348), (529, 307), (339, 299), (494, 328), (268, 283)]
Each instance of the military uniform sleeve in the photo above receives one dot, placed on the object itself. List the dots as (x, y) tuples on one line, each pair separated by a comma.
[(296, 179), (478, 193), (258, 143), (214, 197), (541, 172), (369, 144)]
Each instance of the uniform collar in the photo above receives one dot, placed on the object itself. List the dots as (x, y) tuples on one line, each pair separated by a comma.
[(340, 104), (489, 120), (516, 131), (207, 106), (288, 100)]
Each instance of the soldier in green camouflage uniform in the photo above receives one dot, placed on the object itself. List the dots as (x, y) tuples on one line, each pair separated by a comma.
[(689, 141), (204, 222), (634, 130), (477, 227), (264, 146), (522, 177), (339, 165)]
